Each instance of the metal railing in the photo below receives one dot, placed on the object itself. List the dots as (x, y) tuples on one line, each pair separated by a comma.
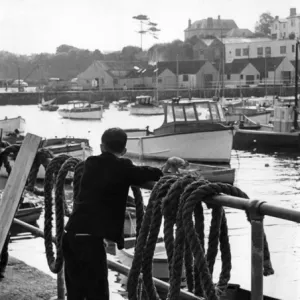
[(256, 209)]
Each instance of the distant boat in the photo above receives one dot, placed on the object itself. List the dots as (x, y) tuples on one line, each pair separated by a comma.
[(82, 110), (145, 105), (48, 105), (192, 130)]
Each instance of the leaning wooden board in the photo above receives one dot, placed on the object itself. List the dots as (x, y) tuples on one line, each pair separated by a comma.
[(15, 184)]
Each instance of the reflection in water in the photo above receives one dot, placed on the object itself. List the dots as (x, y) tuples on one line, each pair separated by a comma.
[(269, 177)]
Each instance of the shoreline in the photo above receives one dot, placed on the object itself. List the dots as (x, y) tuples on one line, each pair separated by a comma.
[(22, 282)]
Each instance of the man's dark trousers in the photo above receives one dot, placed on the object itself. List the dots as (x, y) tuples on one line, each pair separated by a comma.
[(85, 267)]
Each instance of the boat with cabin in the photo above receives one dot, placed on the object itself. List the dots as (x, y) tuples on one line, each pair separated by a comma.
[(82, 110), (145, 106), (192, 130)]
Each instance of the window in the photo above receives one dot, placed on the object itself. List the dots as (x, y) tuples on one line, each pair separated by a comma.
[(159, 80), (116, 81), (185, 77), (268, 51), (201, 51), (203, 111), (245, 51), (179, 116), (293, 48), (282, 49), (241, 76), (257, 76), (292, 22), (237, 52), (170, 117), (260, 51), (214, 111), (275, 26), (228, 76), (190, 113)]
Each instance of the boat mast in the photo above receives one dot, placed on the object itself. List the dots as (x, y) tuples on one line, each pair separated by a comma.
[(296, 88), (156, 75), (177, 79)]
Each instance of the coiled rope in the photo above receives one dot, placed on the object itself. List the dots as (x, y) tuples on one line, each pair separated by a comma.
[(180, 201)]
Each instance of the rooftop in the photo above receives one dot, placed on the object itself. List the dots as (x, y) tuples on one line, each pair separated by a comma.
[(211, 23), (236, 40)]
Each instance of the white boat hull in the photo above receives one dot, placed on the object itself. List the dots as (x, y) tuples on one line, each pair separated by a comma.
[(151, 110), (194, 147), (11, 124), (84, 115)]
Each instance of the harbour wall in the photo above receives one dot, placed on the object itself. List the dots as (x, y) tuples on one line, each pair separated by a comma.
[(31, 98)]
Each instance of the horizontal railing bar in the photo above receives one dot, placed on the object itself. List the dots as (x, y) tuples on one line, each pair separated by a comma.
[(244, 204), (114, 266)]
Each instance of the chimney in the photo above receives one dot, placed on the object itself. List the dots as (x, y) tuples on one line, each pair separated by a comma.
[(209, 23), (293, 12), (190, 23), (276, 17), (219, 18)]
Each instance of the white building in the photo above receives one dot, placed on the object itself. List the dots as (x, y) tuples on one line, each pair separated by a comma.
[(282, 28), (241, 48)]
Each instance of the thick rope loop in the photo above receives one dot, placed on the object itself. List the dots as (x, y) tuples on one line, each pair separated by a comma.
[(68, 165), (141, 242), (55, 265)]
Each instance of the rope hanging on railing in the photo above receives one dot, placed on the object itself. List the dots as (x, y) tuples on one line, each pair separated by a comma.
[(179, 200)]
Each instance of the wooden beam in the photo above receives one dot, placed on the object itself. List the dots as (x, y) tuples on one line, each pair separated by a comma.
[(16, 183)]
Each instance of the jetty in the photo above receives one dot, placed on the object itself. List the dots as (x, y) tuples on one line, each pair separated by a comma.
[(176, 199)]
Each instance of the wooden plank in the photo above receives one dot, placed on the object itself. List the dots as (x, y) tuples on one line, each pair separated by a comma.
[(15, 184)]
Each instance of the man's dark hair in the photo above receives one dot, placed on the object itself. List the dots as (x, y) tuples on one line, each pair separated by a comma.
[(114, 139)]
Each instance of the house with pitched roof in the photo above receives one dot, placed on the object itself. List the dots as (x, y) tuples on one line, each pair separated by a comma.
[(107, 74), (191, 74), (209, 27), (271, 70), (208, 49), (239, 32), (240, 73)]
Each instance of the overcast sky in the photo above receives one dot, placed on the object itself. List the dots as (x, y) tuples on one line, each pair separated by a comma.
[(34, 26)]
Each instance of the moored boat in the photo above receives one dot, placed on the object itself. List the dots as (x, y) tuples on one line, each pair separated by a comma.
[(75, 147), (48, 105), (10, 125), (82, 110), (145, 105), (192, 130), (211, 173)]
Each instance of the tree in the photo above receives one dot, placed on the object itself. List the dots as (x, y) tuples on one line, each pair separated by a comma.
[(292, 36), (264, 23)]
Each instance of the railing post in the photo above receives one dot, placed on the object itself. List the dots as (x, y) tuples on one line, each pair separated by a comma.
[(61, 285), (257, 249)]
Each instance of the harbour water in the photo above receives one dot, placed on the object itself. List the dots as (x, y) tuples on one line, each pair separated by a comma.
[(269, 177)]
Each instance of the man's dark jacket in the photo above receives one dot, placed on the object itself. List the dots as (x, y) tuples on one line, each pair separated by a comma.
[(100, 207)]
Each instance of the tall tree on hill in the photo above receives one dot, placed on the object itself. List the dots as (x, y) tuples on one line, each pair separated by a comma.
[(264, 24)]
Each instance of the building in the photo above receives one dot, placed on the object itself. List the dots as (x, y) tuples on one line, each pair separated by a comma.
[(191, 75), (241, 72), (241, 48), (272, 70), (279, 29), (239, 33), (208, 49), (107, 74), (209, 27), (284, 28)]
